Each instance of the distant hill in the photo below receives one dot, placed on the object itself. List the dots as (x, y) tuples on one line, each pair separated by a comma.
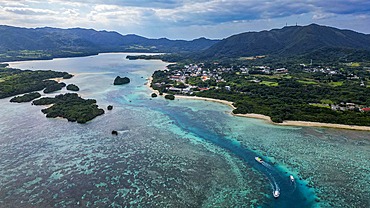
[(110, 40), (292, 40), (305, 42), (55, 42)]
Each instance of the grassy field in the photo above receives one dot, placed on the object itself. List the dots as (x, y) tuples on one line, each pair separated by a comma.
[(336, 83), (138, 47), (306, 82), (251, 57), (269, 83), (268, 76), (321, 106), (355, 64)]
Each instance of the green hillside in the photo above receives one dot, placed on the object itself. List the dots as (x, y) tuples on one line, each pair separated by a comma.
[(47, 43), (288, 41)]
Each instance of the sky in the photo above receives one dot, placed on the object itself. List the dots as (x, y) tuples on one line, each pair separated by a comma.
[(185, 19)]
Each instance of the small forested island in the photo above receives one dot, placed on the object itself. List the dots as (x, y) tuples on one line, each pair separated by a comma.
[(55, 86), (154, 95), (15, 81), (120, 81), (25, 98), (70, 106), (73, 87)]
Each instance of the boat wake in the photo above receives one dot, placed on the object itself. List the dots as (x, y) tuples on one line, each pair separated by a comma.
[(267, 165), (274, 185), (277, 189), (124, 96), (294, 185), (270, 170)]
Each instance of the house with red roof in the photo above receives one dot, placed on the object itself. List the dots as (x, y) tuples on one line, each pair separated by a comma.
[(365, 109)]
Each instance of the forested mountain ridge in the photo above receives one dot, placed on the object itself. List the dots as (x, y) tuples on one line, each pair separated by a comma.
[(114, 40), (290, 40), (40, 43), (306, 42)]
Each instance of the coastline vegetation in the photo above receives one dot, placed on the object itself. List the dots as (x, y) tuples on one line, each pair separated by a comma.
[(301, 93), (67, 76), (173, 57), (25, 98), (54, 86), (44, 101), (24, 55), (69, 106), (169, 97), (15, 81)]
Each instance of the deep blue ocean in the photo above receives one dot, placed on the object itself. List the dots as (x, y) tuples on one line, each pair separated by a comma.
[(180, 153)]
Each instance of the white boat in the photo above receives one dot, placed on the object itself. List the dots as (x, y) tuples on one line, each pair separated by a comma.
[(276, 194), (291, 178), (258, 159)]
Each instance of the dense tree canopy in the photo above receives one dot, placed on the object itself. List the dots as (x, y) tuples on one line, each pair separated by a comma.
[(26, 97), (73, 87), (16, 81), (71, 107), (120, 81)]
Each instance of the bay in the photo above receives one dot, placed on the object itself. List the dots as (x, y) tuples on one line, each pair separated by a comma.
[(181, 153)]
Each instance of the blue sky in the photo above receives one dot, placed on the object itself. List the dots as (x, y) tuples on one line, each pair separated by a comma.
[(185, 19)]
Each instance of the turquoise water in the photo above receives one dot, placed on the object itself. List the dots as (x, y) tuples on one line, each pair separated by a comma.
[(181, 153)]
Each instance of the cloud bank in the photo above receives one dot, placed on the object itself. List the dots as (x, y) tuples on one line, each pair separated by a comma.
[(185, 18)]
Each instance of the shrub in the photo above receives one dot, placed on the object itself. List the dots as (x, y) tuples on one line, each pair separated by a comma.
[(169, 97)]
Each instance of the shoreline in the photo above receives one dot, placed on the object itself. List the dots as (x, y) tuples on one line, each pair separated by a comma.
[(267, 118), (206, 99), (167, 62), (15, 62), (305, 123)]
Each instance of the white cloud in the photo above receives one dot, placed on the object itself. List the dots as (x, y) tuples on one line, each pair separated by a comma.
[(179, 18), (122, 17), (71, 12), (320, 16), (104, 7), (91, 16), (29, 11), (67, 3), (13, 4)]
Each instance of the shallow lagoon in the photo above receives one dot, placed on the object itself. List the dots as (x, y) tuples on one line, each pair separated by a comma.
[(181, 153)]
